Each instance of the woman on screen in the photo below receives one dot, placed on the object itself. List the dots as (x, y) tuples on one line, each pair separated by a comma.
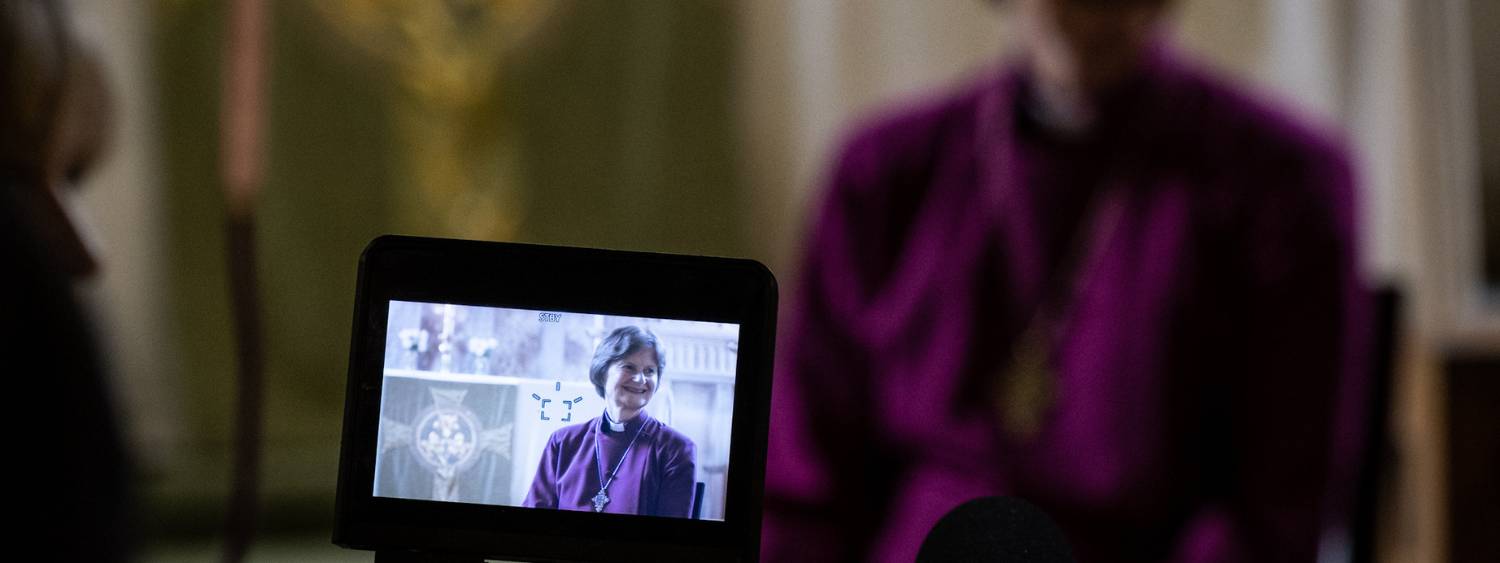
[(624, 461)]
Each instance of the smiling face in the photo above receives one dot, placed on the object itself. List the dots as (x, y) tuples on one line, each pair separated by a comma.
[(631, 382)]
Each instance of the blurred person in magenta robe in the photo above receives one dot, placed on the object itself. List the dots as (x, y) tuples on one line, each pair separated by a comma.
[(1099, 279), (623, 461)]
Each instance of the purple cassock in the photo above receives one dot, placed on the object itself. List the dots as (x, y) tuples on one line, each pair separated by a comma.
[(654, 477), (1207, 361)]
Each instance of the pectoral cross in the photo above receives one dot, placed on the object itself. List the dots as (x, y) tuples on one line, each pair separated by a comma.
[(600, 500), (1027, 390)]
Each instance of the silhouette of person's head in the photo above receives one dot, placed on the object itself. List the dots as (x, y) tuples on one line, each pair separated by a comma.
[(54, 117)]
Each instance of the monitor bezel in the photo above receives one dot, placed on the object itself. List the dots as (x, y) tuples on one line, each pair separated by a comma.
[(552, 278)]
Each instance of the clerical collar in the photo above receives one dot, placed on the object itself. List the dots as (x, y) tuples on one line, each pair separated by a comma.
[(1101, 111), (614, 426)]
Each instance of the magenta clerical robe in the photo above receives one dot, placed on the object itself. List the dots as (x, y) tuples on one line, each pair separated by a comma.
[(654, 477), (1206, 362)]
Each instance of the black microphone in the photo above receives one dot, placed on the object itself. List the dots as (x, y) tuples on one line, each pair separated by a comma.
[(995, 529)]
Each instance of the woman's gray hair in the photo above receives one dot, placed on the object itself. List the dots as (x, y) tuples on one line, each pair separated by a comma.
[(622, 342)]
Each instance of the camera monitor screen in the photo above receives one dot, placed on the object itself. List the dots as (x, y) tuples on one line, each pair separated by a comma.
[(533, 403), (556, 410)]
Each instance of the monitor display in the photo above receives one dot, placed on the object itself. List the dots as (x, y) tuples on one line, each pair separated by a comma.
[(556, 410), (524, 402)]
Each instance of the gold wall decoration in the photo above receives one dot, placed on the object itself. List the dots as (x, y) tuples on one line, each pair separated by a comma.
[(446, 56)]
